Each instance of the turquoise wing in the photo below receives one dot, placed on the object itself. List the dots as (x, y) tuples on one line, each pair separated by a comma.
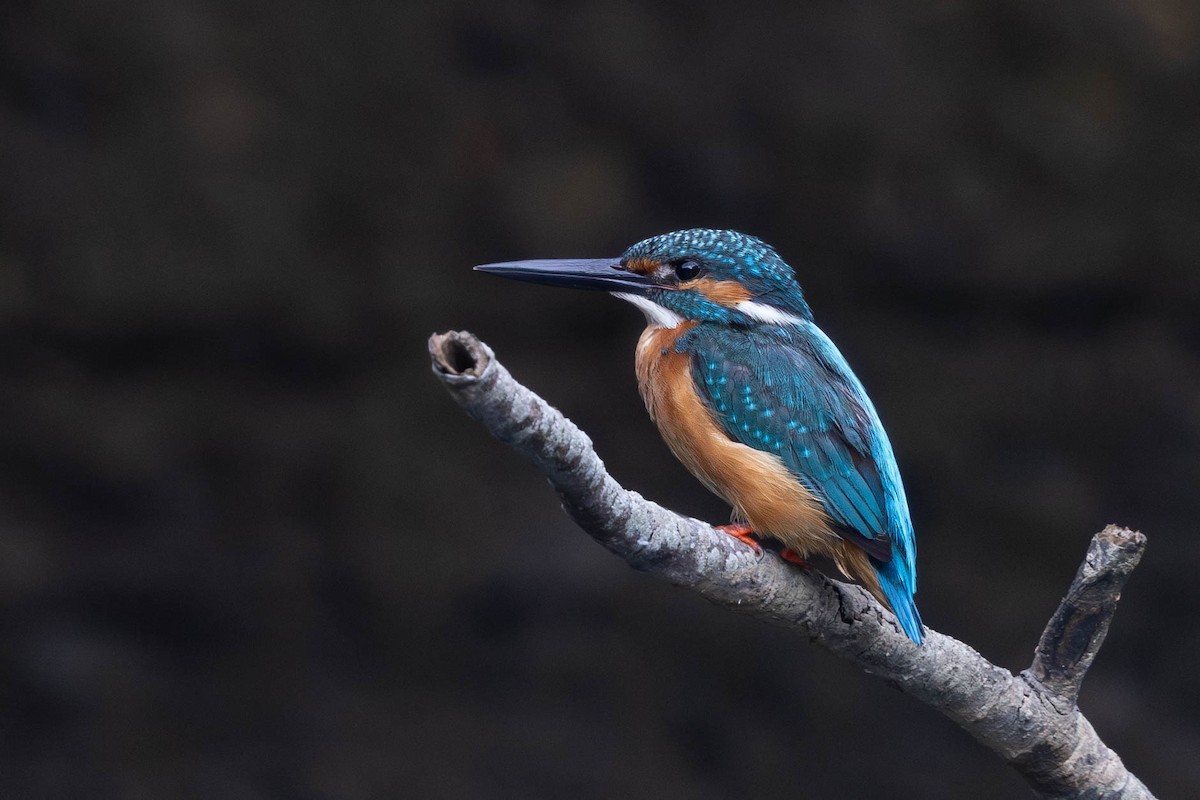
[(774, 396), (788, 391)]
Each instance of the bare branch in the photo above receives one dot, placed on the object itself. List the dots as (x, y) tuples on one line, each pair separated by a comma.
[(1077, 628), (1020, 718)]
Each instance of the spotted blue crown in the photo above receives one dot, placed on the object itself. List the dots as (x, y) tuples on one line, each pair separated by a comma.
[(733, 256)]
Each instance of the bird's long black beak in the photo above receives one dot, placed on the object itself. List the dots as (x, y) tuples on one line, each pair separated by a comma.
[(606, 274)]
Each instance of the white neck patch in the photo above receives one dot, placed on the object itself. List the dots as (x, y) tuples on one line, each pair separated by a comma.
[(768, 314), (656, 315)]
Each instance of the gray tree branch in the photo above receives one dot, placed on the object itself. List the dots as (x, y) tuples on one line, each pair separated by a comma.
[(1030, 720), (1077, 628)]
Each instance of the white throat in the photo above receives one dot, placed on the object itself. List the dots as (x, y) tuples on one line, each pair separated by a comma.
[(656, 315)]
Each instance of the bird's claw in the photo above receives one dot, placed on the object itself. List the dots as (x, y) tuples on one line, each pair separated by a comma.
[(745, 535), (792, 557)]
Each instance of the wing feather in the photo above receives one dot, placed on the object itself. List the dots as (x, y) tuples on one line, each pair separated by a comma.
[(775, 395)]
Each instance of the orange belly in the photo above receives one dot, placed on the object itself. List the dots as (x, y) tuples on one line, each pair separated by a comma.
[(759, 486)]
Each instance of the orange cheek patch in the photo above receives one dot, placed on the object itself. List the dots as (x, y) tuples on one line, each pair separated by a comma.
[(726, 293), (642, 266)]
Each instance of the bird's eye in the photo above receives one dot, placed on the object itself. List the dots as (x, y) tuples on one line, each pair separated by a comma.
[(686, 269)]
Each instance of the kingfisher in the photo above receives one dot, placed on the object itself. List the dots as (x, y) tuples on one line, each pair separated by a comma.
[(757, 402)]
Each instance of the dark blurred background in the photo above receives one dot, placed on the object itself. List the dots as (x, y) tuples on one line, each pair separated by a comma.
[(249, 548)]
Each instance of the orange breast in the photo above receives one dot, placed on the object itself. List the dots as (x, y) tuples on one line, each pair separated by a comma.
[(758, 485)]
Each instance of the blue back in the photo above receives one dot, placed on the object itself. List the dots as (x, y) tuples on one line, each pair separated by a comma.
[(787, 390)]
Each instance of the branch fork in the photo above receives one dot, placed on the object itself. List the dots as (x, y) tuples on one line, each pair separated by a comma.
[(1031, 720)]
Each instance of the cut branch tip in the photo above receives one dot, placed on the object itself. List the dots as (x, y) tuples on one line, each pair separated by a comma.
[(459, 354)]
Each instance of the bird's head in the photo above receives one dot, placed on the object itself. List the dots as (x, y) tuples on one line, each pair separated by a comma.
[(700, 275)]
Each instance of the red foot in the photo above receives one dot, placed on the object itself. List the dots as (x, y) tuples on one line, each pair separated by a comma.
[(792, 557), (744, 534)]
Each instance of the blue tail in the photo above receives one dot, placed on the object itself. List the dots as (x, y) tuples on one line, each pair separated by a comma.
[(899, 593)]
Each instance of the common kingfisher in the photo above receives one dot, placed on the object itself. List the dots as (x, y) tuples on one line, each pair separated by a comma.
[(758, 403)]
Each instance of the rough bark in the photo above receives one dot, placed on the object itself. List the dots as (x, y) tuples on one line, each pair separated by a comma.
[(1031, 720)]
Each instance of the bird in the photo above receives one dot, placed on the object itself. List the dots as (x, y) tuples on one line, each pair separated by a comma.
[(758, 403)]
